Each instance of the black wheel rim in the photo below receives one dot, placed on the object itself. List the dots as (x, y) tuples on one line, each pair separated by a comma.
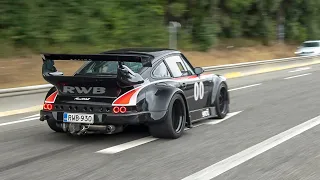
[(223, 101), (178, 116)]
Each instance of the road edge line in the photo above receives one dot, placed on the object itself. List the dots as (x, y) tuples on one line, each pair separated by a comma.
[(21, 111)]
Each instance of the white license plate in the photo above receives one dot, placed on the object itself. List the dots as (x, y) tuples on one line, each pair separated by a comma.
[(78, 118)]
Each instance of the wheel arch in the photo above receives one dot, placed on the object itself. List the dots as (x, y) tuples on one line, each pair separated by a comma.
[(218, 80), (158, 97)]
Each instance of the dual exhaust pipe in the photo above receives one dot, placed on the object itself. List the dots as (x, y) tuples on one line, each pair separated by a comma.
[(108, 128), (79, 129)]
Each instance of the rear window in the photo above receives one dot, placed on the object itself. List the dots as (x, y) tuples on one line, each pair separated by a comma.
[(108, 67), (310, 44)]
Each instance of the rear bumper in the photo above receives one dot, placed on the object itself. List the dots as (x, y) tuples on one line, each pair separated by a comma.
[(109, 118)]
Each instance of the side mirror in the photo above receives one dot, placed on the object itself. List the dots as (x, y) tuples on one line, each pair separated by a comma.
[(198, 70)]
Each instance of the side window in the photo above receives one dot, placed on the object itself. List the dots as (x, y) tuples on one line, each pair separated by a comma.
[(189, 69), (161, 71), (177, 66)]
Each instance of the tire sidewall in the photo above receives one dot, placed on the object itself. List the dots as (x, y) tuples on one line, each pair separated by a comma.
[(219, 113), (169, 115), (164, 128)]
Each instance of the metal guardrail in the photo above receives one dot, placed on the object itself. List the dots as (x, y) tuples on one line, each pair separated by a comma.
[(26, 88), (256, 63), (220, 68)]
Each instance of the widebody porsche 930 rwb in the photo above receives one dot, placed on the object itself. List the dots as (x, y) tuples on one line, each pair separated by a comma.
[(158, 88)]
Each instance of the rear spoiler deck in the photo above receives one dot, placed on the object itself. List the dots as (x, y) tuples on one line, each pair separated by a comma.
[(145, 59)]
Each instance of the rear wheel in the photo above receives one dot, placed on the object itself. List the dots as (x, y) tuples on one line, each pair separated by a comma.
[(172, 127), (222, 102)]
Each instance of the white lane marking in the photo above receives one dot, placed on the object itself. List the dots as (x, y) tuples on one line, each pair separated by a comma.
[(244, 87), (247, 154), (36, 115), (229, 115), (138, 142), (20, 121), (300, 69), (297, 76), (128, 145)]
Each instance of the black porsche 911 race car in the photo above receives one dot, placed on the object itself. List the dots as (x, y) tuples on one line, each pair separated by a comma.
[(158, 88)]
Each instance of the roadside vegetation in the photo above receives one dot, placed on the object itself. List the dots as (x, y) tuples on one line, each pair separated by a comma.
[(34, 26), (212, 31)]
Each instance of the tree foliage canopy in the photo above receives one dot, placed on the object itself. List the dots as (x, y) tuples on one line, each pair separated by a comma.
[(122, 23)]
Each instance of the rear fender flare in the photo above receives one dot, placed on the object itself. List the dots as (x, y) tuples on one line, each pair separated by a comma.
[(158, 97), (218, 80), (51, 90)]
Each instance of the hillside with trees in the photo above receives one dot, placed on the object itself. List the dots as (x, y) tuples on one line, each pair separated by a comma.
[(91, 25)]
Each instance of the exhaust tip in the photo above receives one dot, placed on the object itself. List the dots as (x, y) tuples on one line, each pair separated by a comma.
[(111, 128)]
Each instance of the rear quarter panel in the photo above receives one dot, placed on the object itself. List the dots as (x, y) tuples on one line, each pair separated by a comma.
[(158, 95)]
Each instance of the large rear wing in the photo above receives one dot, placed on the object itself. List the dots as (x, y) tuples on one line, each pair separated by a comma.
[(48, 59), (124, 75), (145, 59)]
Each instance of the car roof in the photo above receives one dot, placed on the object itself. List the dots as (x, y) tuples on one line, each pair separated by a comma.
[(156, 52)]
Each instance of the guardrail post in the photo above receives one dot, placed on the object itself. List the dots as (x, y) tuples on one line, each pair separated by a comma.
[(173, 34)]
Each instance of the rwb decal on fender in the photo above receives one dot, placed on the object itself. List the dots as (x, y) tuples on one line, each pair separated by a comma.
[(198, 90)]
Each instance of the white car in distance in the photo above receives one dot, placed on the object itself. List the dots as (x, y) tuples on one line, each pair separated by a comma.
[(309, 48)]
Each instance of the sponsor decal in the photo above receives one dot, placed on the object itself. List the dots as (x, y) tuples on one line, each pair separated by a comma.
[(83, 90), (205, 113), (82, 99)]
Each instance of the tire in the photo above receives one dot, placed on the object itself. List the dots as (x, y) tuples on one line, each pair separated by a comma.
[(53, 125), (222, 102), (172, 127)]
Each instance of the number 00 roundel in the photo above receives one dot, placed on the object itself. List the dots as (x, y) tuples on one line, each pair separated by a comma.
[(198, 90)]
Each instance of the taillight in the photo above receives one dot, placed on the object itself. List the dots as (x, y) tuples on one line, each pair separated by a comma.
[(116, 109), (121, 109), (47, 106)]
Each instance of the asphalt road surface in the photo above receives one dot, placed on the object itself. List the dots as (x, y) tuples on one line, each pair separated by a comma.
[(271, 133)]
